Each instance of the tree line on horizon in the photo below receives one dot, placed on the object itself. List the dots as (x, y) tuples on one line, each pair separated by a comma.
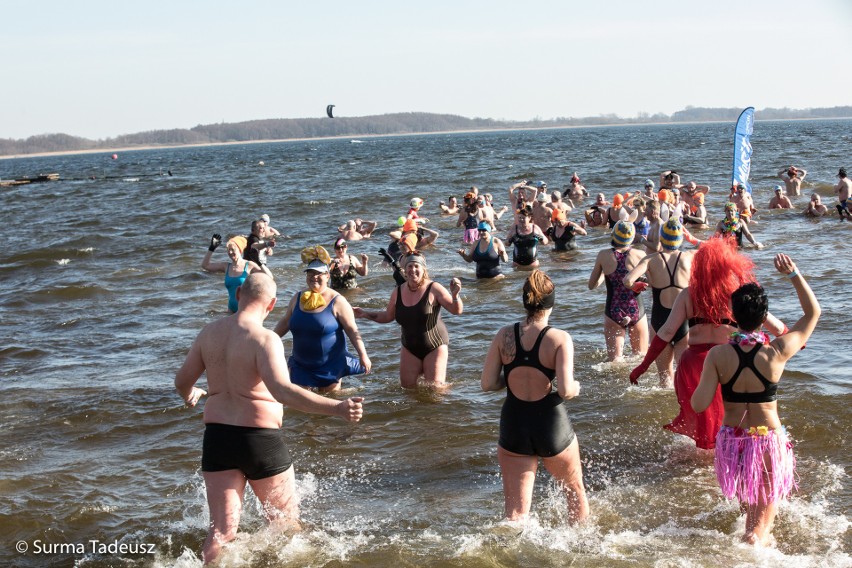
[(386, 124)]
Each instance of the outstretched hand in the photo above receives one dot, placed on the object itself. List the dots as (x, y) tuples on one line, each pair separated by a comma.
[(784, 264), (215, 241)]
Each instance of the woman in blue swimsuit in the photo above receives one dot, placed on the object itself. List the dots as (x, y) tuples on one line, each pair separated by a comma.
[(525, 359), (486, 252), (235, 271), (318, 318)]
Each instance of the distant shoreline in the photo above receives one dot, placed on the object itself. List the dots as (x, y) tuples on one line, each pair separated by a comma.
[(116, 150)]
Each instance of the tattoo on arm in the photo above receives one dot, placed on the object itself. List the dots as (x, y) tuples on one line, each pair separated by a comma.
[(508, 348)]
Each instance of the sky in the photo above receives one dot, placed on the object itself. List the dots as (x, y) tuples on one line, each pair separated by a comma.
[(100, 69)]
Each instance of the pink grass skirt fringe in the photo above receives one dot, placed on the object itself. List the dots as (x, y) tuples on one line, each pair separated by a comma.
[(755, 465)]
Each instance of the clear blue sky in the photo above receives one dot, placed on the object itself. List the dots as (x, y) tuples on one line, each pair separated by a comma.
[(100, 69)]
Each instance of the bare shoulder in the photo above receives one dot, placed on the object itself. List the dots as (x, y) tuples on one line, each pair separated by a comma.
[(505, 340), (263, 337), (720, 353), (558, 336), (637, 254)]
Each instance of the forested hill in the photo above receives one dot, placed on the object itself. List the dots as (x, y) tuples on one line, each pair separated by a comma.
[(400, 123)]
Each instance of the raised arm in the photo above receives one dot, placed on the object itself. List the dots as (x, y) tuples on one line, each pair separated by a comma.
[(215, 241), (363, 267), (513, 189), (212, 266), (791, 342), (774, 325), (428, 236), (450, 301)]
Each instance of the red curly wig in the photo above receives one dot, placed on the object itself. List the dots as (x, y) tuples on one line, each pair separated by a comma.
[(717, 270)]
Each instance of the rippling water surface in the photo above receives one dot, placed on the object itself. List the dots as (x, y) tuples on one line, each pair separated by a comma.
[(102, 295)]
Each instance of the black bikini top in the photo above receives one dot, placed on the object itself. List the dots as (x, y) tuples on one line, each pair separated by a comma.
[(747, 361), (724, 321), (528, 358)]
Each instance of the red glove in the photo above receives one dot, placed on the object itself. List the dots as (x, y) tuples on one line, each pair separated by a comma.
[(654, 350), (639, 286)]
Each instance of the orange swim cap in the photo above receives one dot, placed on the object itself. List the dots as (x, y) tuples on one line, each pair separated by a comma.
[(409, 226), (240, 242), (617, 200), (410, 240)]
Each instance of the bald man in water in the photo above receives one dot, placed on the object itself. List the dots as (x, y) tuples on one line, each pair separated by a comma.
[(248, 382)]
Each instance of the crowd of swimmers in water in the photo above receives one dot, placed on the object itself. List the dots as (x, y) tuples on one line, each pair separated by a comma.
[(709, 336)]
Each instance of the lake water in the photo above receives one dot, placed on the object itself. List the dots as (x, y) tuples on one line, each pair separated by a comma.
[(103, 294)]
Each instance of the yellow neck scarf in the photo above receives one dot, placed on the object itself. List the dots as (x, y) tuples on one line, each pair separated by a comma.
[(311, 300)]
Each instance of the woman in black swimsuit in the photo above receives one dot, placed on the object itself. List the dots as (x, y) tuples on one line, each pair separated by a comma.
[(415, 306), (525, 237), (668, 273), (563, 231), (525, 358)]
